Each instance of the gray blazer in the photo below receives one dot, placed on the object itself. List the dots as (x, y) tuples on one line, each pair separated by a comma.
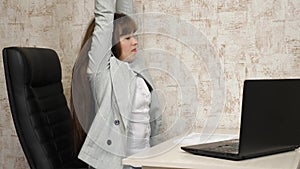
[(111, 83)]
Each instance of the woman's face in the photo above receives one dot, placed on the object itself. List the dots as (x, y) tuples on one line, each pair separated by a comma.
[(128, 45)]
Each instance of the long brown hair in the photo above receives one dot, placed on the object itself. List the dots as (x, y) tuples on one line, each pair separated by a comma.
[(79, 134), (123, 26)]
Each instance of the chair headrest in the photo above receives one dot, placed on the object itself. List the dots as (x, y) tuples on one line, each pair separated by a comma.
[(43, 65)]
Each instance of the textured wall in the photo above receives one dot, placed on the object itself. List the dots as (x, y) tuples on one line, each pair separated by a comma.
[(57, 24), (251, 38)]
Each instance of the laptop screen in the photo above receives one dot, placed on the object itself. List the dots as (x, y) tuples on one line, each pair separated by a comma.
[(270, 115)]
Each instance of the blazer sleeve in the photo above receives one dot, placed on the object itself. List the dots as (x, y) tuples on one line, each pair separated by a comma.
[(100, 50), (125, 6)]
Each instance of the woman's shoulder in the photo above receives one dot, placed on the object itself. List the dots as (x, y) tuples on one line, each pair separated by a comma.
[(116, 64)]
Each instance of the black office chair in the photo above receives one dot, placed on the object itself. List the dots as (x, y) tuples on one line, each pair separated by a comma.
[(39, 109)]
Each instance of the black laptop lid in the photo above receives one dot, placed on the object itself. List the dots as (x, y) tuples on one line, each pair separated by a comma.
[(270, 115)]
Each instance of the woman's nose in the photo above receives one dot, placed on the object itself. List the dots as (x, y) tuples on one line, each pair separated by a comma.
[(134, 41)]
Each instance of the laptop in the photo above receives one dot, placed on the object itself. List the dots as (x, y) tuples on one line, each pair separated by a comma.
[(270, 122)]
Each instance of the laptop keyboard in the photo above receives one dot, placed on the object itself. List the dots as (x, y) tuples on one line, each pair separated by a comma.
[(230, 147)]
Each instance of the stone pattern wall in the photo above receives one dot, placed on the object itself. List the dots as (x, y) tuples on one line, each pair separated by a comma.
[(251, 38)]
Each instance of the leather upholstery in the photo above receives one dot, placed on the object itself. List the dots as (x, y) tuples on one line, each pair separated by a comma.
[(40, 113)]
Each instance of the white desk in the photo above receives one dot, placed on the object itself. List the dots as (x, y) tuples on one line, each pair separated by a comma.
[(168, 155)]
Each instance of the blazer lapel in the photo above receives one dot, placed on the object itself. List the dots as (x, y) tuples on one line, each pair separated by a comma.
[(123, 81), (139, 66)]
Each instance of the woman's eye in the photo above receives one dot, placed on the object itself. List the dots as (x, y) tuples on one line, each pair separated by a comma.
[(127, 38)]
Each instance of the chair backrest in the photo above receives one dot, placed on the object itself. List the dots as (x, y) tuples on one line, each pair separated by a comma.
[(39, 109)]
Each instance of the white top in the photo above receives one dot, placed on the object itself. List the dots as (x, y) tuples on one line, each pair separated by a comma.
[(139, 120)]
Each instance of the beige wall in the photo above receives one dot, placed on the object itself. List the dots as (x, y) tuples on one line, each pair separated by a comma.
[(252, 38)]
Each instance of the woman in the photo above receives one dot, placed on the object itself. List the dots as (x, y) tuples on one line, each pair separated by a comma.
[(127, 114)]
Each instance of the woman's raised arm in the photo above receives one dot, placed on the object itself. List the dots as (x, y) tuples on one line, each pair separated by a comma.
[(125, 6), (99, 53)]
